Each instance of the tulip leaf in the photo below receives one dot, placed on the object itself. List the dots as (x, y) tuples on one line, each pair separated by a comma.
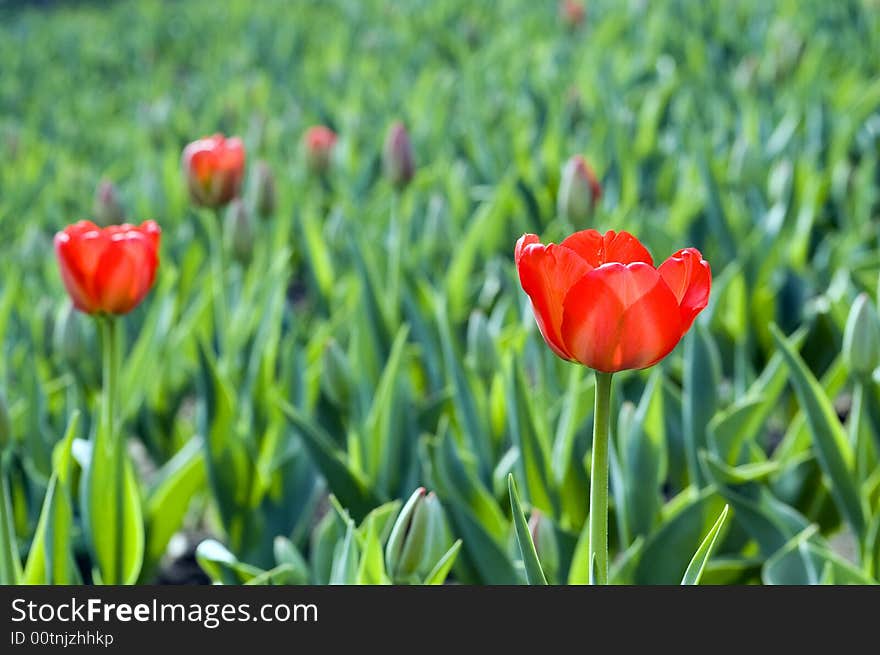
[(694, 571), (699, 395), (167, 503), (10, 566), (437, 575), (222, 566), (50, 560), (832, 448), (534, 572)]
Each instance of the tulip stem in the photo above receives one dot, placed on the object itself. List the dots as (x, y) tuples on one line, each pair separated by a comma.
[(112, 446), (599, 482), (213, 224)]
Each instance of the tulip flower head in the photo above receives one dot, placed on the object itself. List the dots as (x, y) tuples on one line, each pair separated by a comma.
[(264, 181), (572, 12), (109, 270), (319, 142), (599, 300), (397, 156), (579, 190), (214, 168)]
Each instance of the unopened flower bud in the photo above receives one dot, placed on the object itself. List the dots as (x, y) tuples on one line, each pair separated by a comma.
[(579, 190), (861, 338), (107, 208), (319, 142), (337, 375), (546, 545), (406, 545), (398, 159), (240, 231), (264, 189)]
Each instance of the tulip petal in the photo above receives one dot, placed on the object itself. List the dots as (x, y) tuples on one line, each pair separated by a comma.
[(689, 277), (126, 272), (620, 317), (79, 249), (546, 274), (598, 249)]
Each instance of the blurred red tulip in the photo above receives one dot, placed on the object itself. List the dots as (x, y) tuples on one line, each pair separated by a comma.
[(214, 167), (572, 12), (600, 301), (108, 270), (398, 159), (319, 142)]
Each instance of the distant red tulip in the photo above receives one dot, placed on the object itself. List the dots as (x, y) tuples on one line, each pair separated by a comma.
[(319, 142), (600, 301), (397, 155), (214, 167), (572, 12), (108, 270)]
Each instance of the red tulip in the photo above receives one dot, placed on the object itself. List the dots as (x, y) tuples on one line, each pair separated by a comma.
[(319, 141), (214, 167), (600, 301), (572, 12), (108, 270)]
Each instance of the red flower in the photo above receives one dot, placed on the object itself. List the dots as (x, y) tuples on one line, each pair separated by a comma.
[(214, 167), (600, 301), (572, 12), (319, 141), (108, 270)]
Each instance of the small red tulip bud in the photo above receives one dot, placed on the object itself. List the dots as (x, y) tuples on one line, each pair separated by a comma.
[(213, 168), (579, 190), (398, 159), (107, 207), (319, 142)]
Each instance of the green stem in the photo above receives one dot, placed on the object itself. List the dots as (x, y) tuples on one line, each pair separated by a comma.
[(396, 243), (599, 482), (109, 428), (213, 226)]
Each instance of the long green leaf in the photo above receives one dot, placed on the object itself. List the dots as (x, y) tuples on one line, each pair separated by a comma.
[(534, 572), (694, 571)]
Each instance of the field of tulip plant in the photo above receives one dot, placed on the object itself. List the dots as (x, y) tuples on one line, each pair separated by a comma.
[(440, 291)]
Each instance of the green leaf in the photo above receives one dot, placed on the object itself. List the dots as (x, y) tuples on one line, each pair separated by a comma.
[(345, 560), (222, 566), (695, 569), (437, 575), (50, 559), (345, 483), (10, 566), (832, 448), (534, 572), (699, 395), (177, 482), (288, 554)]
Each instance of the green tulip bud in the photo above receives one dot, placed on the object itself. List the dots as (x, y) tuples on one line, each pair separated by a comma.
[(264, 190), (409, 540), (240, 231), (546, 545), (107, 208), (861, 338), (337, 375), (579, 190)]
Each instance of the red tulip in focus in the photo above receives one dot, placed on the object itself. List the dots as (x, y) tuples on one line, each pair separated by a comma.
[(214, 167), (319, 142), (600, 301), (108, 270), (572, 12)]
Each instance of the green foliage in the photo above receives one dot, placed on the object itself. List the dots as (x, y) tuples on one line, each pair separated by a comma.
[(376, 340)]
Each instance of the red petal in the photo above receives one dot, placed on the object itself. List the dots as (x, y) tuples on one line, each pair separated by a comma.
[(79, 248), (546, 274), (620, 247), (522, 242), (126, 272), (620, 317), (689, 277)]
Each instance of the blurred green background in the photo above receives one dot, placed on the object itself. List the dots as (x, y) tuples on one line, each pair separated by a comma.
[(380, 341)]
